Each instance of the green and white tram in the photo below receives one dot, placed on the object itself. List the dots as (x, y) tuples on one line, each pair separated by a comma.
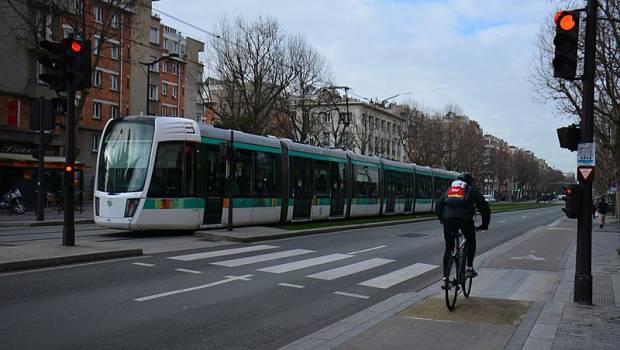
[(168, 173)]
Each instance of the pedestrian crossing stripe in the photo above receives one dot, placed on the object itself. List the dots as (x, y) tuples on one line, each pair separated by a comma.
[(338, 272), (218, 253), (398, 276), (302, 264), (262, 258)]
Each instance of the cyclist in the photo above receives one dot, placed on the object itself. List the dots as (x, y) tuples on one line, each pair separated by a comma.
[(456, 209)]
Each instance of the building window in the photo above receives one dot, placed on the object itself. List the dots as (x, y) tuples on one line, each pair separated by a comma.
[(164, 88), (114, 21), (95, 145), (154, 35), (175, 91), (97, 110), (113, 112), (175, 46), (164, 66), (164, 110), (166, 44), (175, 68), (154, 67), (66, 31), (13, 109), (96, 44), (114, 82), (153, 92), (98, 14), (114, 51), (173, 111), (97, 78)]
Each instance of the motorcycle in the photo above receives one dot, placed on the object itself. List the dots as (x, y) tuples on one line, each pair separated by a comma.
[(13, 200)]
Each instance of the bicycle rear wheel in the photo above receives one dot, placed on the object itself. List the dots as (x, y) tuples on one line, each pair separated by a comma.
[(452, 283)]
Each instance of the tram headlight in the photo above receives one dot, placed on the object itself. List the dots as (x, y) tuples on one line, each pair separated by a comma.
[(131, 206)]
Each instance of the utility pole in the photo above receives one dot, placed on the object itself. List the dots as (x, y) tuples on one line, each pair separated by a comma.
[(231, 178), (68, 231), (583, 268)]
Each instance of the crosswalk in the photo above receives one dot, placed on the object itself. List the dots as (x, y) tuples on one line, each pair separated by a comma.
[(382, 281)]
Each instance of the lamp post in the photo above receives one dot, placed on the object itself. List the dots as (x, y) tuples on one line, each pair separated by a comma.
[(148, 75)]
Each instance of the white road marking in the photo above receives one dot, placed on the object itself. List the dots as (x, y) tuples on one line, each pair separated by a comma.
[(144, 264), (350, 269), (559, 228), (291, 285), (261, 258), (188, 271), (213, 254), (524, 216), (190, 289), (367, 250), (527, 257), (502, 221), (398, 276), (352, 295), (302, 264)]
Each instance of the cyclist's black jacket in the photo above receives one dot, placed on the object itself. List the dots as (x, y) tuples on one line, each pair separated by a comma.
[(467, 211)]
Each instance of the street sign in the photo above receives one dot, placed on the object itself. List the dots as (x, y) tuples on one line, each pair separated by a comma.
[(586, 154), (585, 173)]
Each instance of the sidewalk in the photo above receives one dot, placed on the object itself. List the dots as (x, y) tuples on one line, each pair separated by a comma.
[(522, 299), (52, 217)]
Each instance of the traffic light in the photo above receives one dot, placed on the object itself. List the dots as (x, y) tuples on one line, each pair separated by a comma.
[(78, 63), (566, 41), (573, 201), (52, 59), (569, 137)]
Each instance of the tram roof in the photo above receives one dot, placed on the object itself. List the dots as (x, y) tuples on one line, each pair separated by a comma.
[(315, 152)]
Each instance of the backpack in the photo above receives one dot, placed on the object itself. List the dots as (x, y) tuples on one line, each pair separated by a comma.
[(459, 194)]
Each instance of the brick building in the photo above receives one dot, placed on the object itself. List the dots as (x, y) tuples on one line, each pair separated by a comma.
[(119, 32)]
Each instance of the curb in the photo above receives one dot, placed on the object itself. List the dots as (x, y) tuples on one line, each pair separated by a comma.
[(44, 223), (62, 260), (292, 233)]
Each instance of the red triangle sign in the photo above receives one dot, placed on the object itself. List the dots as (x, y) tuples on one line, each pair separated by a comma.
[(586, 172)]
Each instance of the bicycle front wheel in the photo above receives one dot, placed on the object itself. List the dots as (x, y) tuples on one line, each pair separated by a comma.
[(466, 286), (452, 283)]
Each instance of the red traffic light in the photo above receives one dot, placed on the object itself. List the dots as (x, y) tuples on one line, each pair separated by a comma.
[(68, 168), (568, 190), (76, 46)]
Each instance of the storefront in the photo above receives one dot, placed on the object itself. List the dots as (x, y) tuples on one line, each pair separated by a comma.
[(20, 171)]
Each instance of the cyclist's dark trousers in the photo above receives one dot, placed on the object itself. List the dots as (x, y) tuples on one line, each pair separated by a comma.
[(466, 226)]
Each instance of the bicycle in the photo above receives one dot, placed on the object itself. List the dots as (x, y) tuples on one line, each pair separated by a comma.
[(456, 279)]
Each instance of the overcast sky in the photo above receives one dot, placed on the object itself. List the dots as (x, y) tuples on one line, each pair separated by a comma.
[(472, 53)]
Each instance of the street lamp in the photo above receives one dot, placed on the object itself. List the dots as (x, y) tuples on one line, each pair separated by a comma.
[(148, 75)]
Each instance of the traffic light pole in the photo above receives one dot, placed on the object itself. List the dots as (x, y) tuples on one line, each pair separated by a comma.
[(41, 165), (583, 268), (68, 233)]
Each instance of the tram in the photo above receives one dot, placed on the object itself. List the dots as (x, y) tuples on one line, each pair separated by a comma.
[(162, 173)]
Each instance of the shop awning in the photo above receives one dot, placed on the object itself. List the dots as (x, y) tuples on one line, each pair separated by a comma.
[(14, 160)]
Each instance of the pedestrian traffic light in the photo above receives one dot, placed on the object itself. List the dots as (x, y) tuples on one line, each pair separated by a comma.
[(78, 63), (52, 58), (569, 137), (572, 197), (566, 41)]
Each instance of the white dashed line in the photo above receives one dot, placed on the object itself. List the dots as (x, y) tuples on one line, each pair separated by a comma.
[(188, 271), (144, 264), (290, 285), (501, 221), (367, 250), (352, 295)]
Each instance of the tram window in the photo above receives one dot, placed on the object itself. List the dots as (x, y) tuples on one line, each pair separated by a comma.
[(190, 170), (167, 179), (215, 169), (266, 174), (321, 178), (366, 180), (424, 186), (242, 186)]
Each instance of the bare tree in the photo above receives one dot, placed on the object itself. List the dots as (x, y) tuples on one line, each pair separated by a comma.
[(252, 61), (567, 95)]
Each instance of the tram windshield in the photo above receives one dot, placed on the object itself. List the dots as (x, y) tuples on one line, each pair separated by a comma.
[(124, 155)]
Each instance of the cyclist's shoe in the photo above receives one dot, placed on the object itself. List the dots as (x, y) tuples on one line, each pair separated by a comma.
[(444, 282), (470, 273)]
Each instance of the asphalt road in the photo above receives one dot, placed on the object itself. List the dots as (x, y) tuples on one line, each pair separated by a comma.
[(224, 299)]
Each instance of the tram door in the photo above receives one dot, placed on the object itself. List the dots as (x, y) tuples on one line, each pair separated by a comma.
[(390, 189), (301, 187), (214, 172), (337, 190), (409, 193)]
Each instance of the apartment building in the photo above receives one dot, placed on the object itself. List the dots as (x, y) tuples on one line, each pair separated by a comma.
[(121, 35)]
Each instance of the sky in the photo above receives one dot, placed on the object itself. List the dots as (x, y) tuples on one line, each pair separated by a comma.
[(476, 54)]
